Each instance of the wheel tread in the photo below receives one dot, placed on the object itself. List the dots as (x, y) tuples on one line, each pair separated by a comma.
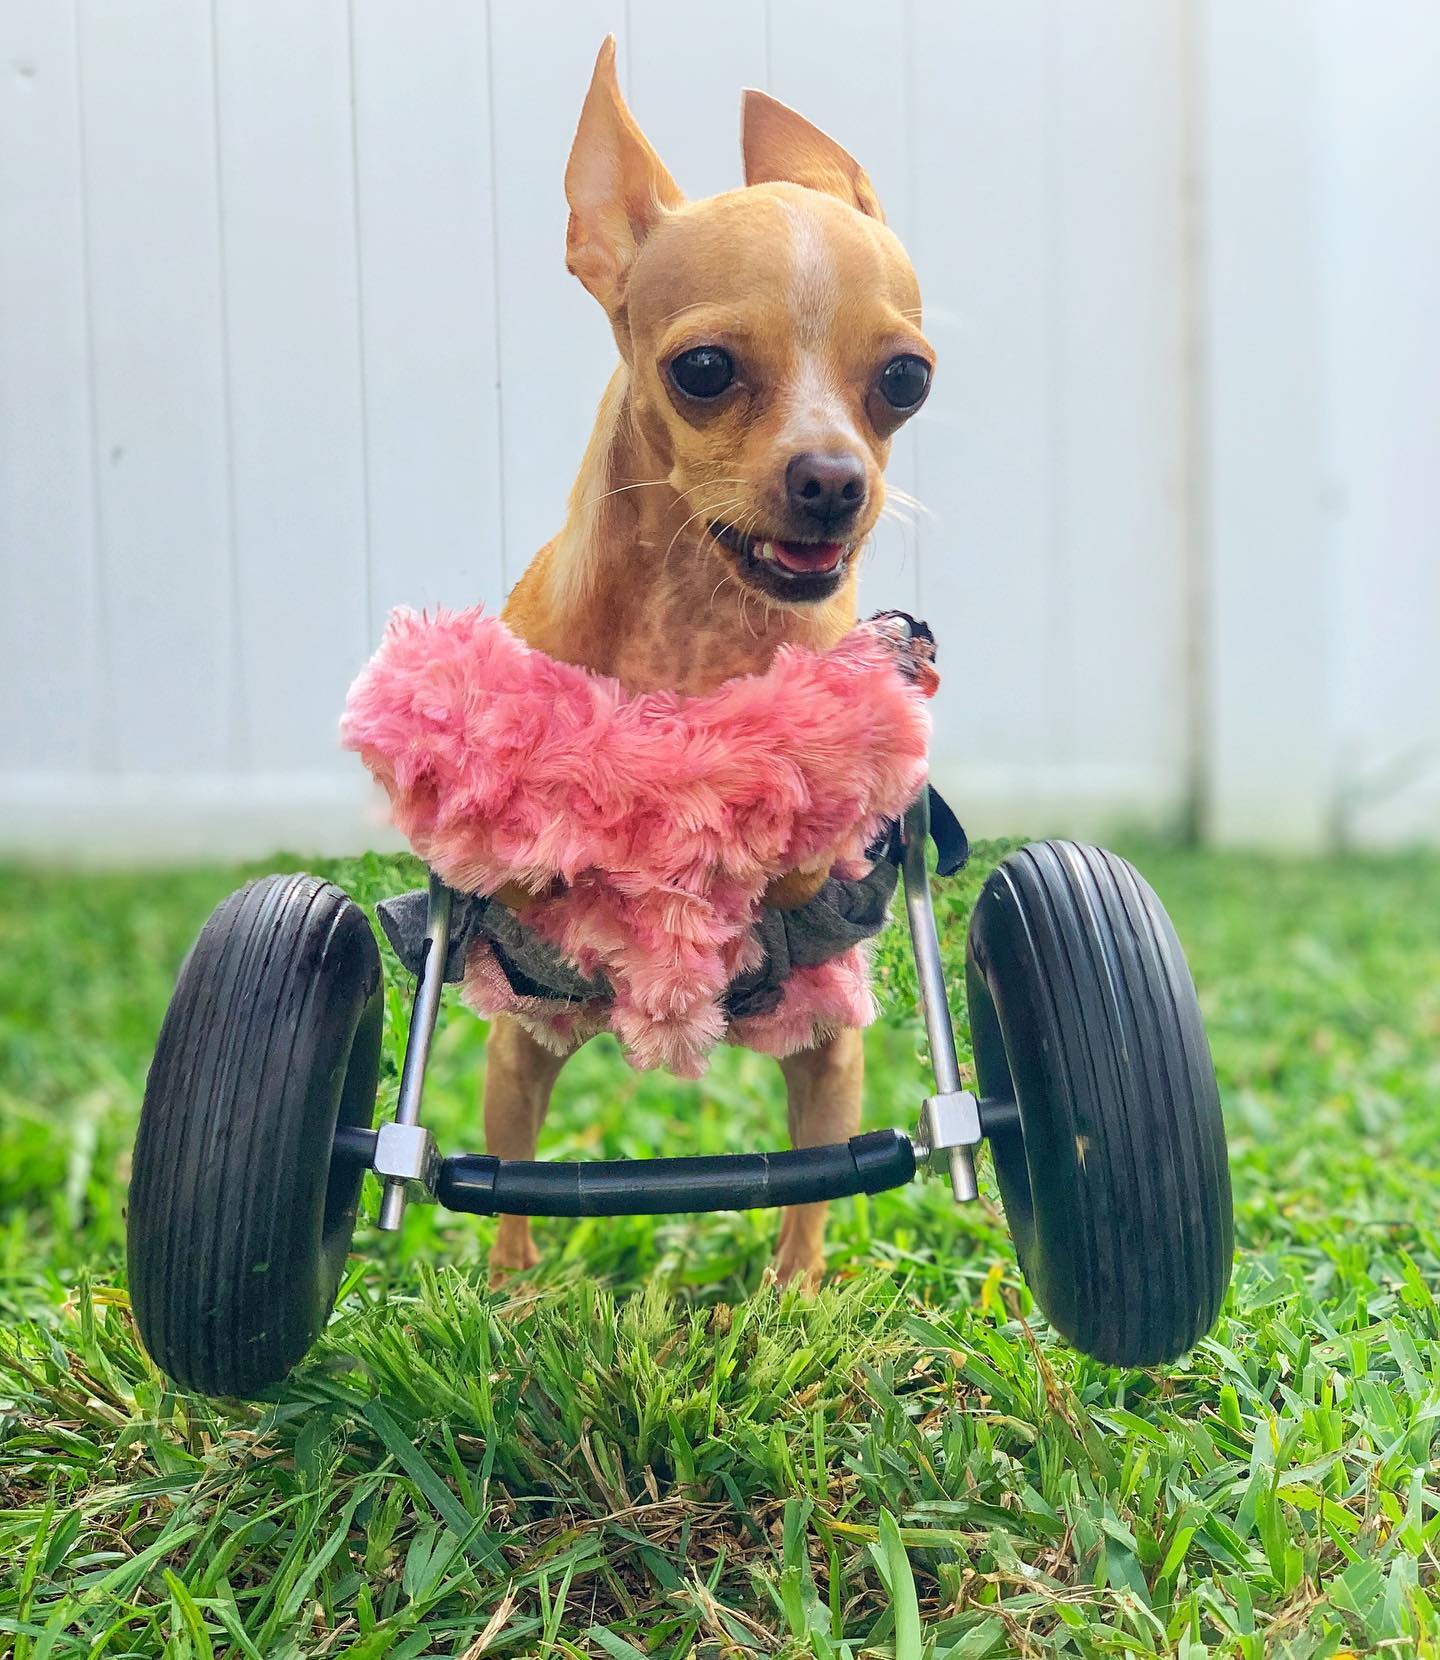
[(1077, 963), (274, 1004)]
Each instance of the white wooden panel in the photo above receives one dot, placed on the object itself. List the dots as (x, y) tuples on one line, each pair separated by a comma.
[(138, 817), (1381, 259), (375, 267), (427, 281), (1270, 661), (982, 241), (149, 145), (292, 331), (688, 65), (849, 69), (48, 638), (1118, 390), (556, 348)]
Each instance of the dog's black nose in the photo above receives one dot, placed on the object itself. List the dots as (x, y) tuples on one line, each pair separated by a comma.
[(826, 488)]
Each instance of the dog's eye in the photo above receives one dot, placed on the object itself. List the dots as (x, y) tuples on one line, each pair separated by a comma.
[(904, 381), (703, 371)]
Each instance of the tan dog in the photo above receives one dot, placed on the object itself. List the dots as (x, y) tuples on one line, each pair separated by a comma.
[(770, 346)]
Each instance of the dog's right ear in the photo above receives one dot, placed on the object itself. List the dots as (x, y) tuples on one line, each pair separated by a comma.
[(778, 143), (616, 185)]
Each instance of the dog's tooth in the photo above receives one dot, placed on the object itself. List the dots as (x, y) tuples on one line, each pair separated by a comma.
[(767, 551)]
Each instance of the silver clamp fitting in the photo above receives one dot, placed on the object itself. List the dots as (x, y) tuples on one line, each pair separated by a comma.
[(945, 1140), (407, 1160)]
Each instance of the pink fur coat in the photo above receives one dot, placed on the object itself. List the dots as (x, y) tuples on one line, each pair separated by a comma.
[(646, 826)]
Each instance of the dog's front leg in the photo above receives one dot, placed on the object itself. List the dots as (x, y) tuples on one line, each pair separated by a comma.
[(519, 1075), (823, 1087)]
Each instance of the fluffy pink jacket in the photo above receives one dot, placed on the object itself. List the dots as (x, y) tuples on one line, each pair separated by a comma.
[(646, 826)]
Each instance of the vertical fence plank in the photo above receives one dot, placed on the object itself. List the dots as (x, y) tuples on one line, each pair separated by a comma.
[(428, 279), (48, 636), (1118, 398), (1380, 256), (556, 349), (1270, 732), (148, 120), (292, 331), (983, 245)]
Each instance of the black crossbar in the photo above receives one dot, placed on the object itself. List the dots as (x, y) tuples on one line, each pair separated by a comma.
[(487, 1186)]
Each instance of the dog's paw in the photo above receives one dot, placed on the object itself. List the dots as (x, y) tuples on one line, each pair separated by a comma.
[(512, 1253), (799, 1265)]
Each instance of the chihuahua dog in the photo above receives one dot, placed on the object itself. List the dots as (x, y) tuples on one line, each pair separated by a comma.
[(770, 346)]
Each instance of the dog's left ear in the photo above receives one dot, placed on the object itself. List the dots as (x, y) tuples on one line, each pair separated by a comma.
[(616, 185), (781, 146)]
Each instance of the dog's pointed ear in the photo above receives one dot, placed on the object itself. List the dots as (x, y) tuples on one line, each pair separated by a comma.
[(616, 185), (782, 146)]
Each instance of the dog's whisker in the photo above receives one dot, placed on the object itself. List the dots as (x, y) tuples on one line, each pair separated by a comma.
[(707, 484), (651, 483), (764, 600), (708, 512), (906, 541), (905, 530), (619, 490), (907, 500)]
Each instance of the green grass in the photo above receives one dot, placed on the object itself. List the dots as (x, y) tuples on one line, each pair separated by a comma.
[(641, 1450)]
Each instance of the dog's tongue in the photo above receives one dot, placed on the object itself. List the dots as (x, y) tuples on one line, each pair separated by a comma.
[(809, 556)]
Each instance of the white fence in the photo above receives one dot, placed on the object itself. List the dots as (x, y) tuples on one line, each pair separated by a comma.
[(286, 337)]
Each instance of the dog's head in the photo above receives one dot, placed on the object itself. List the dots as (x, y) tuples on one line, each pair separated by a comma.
[(772, 334)]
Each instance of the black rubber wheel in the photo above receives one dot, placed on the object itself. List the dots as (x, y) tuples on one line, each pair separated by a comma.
[(238, 1226), (1115, 1182)]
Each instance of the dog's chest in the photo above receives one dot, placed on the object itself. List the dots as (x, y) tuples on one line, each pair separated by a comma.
[(667, 639)]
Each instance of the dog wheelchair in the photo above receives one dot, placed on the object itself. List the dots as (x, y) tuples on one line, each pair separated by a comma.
[(1094, 1087)]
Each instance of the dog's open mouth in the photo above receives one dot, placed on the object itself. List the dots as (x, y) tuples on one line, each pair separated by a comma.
[(787, 569)]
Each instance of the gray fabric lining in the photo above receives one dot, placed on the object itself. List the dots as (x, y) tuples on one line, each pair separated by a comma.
[(841, 914), (533, 966)]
